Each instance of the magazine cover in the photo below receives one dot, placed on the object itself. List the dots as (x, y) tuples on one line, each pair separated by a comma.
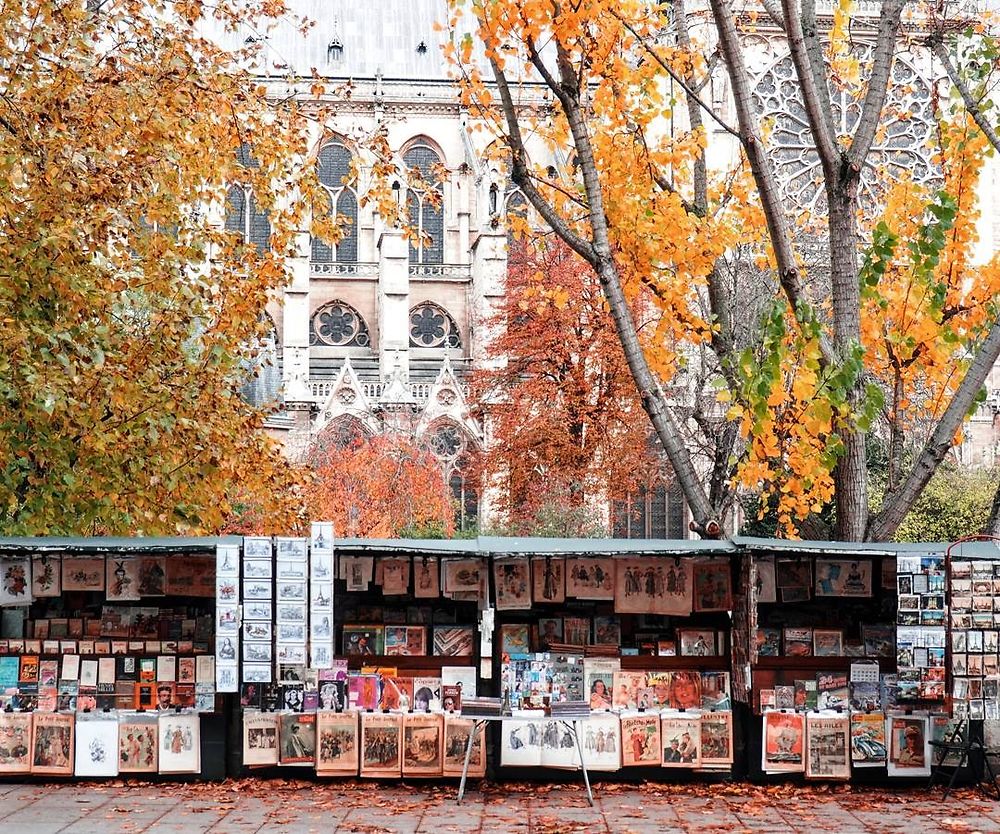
[(784, 742), (640, 740), (868, 741), (297, 738), (827, 739), (260, 738), (456, 739), (602, 742), (681, 738), (909, 745), (337, 751), (180, 743), (381, 736), (423, 738), (138, 742), (52, 744), (716, 738), (15, 742)]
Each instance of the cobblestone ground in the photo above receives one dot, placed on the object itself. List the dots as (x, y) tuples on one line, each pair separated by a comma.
[(291, 807)]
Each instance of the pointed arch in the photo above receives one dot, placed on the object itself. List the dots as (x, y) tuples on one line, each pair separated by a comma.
[(245, 218), (342, 433), (335, 172), (425, 201), (431, 326), (338, 324)]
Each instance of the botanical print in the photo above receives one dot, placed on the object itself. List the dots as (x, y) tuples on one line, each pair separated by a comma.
[(337, 751), (590, 578), (15, 742), (152, 576), (827, 739), (180, 743), (511, 580), (426, 578), (297, 738), (784, 742), (456, 740), (641, 740), (381, 735), (549, 579), (653, 586), (713, 590), (96, 747), (843, 577), (46, 575), (681, 739), (52, 743), (423, 735), (15, 581), (909, 746), (716, 738), (122, 578), (137, 745), (868, 741)]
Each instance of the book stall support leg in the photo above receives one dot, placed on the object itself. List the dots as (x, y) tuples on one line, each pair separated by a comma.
[(574, 726), (468, 757)]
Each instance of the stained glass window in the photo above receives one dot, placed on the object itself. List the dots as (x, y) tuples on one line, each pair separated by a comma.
[(432, 327), (425, 217), (338, 325), (333, 168)]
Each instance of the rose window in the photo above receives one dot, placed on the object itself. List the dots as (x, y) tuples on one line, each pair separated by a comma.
[(338, 325), (432, 327), (901, 145), (446, 442)]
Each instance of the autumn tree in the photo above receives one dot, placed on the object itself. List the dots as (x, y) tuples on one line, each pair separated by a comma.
[(128, 310), (643, 209), (377, 487)]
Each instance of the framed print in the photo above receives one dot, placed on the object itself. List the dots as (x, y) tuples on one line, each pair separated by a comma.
[(713, 589), (697, 642), (653, 586), (15, 742), (96, 745), (453, 641), (843, 577), (297, 738), (46, 575), (381, 736), (456, 740), (121, 581), (512, 583), (607, 631), (260, 738), (291, 633), (83, 573), (337, 750), (465, 576), (827, 741), (590, 578), (257, 569), (640, 740), (828, 642), (548, 579), (784, 742), (717, 738), (909, 745), (423, 744), (680, 736), (180, 743), (426, 578), (52, 742), (363, 640), (766, 584), (291, 653)]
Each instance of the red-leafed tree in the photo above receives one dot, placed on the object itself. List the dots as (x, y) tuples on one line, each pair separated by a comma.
[(564, 416)]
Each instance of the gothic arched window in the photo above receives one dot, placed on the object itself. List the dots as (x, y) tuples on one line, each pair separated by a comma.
[(245, 218), (425, 215), (333, 168), (515, 206), (432, 327), (338, 325), (263, 370)]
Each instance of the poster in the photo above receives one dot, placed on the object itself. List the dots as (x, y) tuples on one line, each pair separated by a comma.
[(138, 738), (843, 578), (337, 751), (121, 581), (909, 745), (96, 745), (426, 578), (653, 586), (601, 736), (297, 738), (15, 580), (15, 742), (590, 578), (784, 742), (868, 740), (512, 583), (46, 575), (52, 743), (713, 588), (680, 736), (640, 740), (180, 743), (716, 738), (83, 573), (827, 737), (456, 739), (548, 579), (260, 738), (423, 740), (192, 576), (381, 735)]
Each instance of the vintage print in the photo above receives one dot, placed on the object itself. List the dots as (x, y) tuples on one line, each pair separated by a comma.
[(297, 738), (395, 576), (697, 642), (256, 547), (122, 579), (152, 576), (180, 743), (681, 739), (293, 549), (602, 742), (512, 583), (337, 751), (83, 573), (52, 742), (192, 576), (766, 584), (576, 631), (909, 746), (138, 745), (260, 738), (465, 576), (827, 739), (793, 573), (426, 578), (717, 738), (653, 586), (46, 575), (381, 736), (641, 740), (456, 741), (514, 639), (843, 577), (548, 579), (423, 739), (590, 578), (15, 581), (15, 742), (784, 742), (868, 742), (358, 571), (713, 590), (96, 746)]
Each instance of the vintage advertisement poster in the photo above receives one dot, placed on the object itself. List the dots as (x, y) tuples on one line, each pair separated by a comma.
[(381, 737), (713, 585), (590, 578), (868, 741), (456, 740), (138, 739), (52, 742), (640, 740), (680, 736), (716, 738), (512, 582), (423, 740), (260, 738), (83, 573), (180, 743), (843, 577), (602, 742), (337, 750), (297, 738), (653, 586), (96, 745), (784, 742), (909, 745), (548, 579), (15, 742), (46, 575), (827, 742)]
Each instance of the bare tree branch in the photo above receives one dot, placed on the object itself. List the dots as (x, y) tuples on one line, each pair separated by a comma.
[(814, 50), (773, 9), (936, 43)]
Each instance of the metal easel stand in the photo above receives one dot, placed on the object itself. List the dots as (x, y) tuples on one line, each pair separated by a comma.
[(971, 751)]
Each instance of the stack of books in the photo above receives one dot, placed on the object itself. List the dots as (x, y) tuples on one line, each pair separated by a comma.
[(484, 707), (569, 709)]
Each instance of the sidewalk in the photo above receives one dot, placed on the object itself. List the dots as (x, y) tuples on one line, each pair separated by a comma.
[(292, 807)]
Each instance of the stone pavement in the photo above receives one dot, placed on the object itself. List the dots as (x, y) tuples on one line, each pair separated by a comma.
[(300, 807)]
